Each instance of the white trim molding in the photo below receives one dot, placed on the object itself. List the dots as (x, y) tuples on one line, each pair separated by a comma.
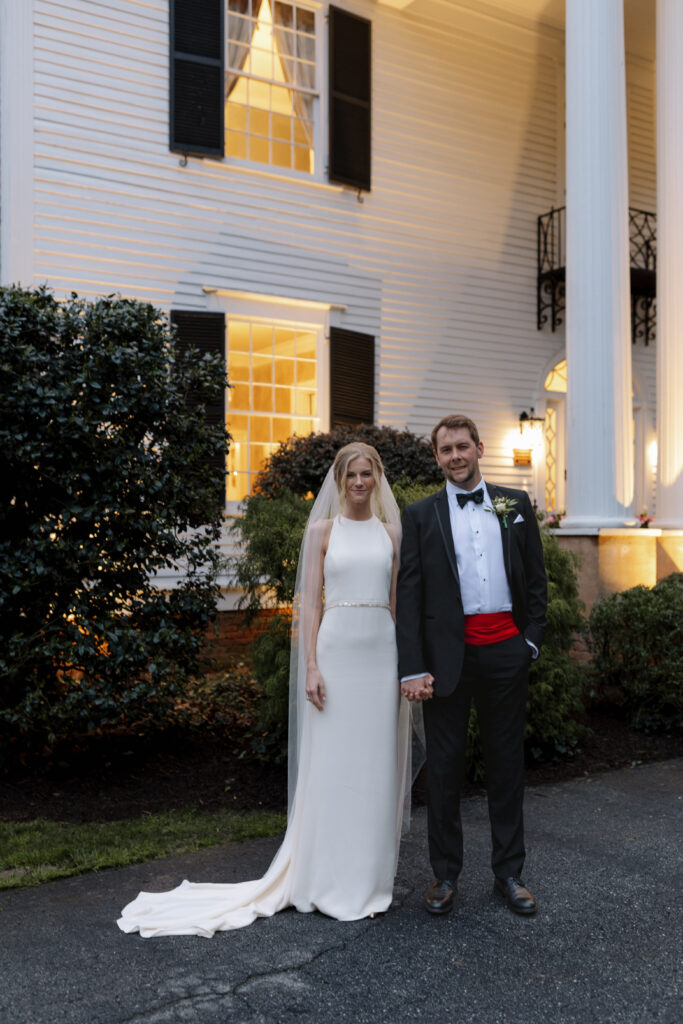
[(16, 142)]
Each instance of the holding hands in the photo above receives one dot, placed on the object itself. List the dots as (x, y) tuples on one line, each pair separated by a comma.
[(418, 689)]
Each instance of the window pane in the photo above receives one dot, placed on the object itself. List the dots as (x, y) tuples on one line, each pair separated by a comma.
[(305, 20), (259, 150), (259, 122), (238, 367), (305, 403), (263, 398), (262, 339), (238, 336), (284, 371), (282, 127), (282, 428), (238, 397), (237, 486), (260, 429), (237, 117), (262, 369), (284, 400), (236, 145), (305, 374), (284, 342), (281, 100), (258, 453), (305, 345), (283, 15), (302, 427), (282, 154), (238, 427), (303, 159)]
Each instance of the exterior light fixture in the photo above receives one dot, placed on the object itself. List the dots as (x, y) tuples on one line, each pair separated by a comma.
[(530, 439)]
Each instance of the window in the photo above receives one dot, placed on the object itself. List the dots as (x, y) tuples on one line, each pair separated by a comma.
[(271, 83), (286, 378), (246, 84), (272, 370)]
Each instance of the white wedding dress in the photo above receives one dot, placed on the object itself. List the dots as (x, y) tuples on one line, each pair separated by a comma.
[(340, 850)]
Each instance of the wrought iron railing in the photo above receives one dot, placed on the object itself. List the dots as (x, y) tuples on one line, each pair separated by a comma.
[(550, 294)]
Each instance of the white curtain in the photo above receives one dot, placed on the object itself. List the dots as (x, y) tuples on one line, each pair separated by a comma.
[(240, 33), (293, 44)]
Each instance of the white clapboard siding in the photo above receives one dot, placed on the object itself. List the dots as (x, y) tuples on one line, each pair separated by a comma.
[(438, 261)]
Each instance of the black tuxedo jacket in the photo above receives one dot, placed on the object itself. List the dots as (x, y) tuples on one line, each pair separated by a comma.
[(430, 624)]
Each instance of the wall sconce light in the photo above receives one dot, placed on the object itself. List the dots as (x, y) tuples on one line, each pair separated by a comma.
[(531, 439)]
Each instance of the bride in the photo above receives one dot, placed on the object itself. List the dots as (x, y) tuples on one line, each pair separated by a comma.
[(349, 728)]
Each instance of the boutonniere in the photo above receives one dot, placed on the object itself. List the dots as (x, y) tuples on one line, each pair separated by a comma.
[(503, 507)]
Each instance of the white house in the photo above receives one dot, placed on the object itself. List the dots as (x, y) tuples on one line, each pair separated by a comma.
[(344, 199)]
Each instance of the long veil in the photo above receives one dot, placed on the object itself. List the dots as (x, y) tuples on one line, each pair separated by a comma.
[(306, 614)]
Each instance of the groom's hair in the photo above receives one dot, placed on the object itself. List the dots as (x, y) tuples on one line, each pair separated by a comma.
[(454, 422)]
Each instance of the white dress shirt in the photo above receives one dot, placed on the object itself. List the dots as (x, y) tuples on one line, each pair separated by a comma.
[(478, 544)]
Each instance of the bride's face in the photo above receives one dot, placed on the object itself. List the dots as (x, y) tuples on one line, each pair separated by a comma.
[(359, 483)]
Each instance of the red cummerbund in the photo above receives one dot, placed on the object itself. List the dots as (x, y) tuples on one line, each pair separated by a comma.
[(489, 629)]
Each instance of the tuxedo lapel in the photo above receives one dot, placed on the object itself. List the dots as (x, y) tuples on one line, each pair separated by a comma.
[(443, 518), (505, 532)]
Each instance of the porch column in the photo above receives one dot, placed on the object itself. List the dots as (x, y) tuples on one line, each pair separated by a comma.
[(599, 405), (669, 264)]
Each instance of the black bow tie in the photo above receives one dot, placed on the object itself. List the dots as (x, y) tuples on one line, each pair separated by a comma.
[(476, 496)]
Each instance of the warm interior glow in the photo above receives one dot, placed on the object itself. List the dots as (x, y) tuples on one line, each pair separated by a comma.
[(273, 394), (261, 119), (557, 378), (652, 454)]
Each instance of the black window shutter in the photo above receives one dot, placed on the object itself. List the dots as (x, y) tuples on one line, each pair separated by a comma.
[(352, 378), (205, 332), (197, 78), (350, 84)]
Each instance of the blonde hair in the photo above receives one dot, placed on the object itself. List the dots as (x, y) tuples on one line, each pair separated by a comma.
[(340, 469)]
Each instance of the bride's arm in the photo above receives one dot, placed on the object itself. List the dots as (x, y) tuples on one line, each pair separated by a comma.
[(312, 609), (395, 535)]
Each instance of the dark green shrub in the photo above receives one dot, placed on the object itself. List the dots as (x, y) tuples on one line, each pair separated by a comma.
[(557, 683), (407, 491), (270, 653), (270, 533), (301, 463), (636, 638), (103, 449)]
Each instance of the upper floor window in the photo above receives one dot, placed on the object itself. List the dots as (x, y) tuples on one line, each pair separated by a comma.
[(246, 83), (271, 83)]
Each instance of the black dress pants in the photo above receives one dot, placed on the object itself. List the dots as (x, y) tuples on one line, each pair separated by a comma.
[(495, 676)]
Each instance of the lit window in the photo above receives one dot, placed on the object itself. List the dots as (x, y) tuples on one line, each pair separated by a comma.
[(271, 85), (272, 371), (557, 378)]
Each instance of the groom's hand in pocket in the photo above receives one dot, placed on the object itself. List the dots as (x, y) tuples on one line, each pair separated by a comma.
[(420, 688)]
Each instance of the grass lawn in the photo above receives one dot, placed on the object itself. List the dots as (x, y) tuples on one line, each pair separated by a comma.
[(40, 851)]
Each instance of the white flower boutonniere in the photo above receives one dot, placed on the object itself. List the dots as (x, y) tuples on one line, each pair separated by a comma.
[(503, 507)]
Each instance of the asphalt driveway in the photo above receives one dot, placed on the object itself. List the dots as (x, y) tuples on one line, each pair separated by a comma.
[(604, 861)]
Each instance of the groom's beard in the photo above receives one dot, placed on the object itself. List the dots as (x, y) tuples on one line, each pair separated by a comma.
[(467, 483)]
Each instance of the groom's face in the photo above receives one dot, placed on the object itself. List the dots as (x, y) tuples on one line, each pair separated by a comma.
[(458, 456)]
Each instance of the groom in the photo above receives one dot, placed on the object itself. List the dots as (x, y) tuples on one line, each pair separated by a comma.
[(470, 619)]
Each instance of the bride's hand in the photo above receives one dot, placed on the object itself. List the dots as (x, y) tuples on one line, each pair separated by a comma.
[(315, 688)]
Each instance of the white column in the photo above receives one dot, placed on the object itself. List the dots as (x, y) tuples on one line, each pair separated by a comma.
[(599, 405), (670, 264), (16, 142)]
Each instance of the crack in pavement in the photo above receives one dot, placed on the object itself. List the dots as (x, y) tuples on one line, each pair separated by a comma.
[(209, 996)]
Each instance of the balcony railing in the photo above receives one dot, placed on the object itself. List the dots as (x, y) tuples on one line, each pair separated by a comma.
[(550, 292)]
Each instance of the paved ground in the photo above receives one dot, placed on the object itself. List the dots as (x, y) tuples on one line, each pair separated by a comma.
[(606, 946)]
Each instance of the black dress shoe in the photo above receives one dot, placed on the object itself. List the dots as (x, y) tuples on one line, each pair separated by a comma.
[(439, 899), (515, 894)]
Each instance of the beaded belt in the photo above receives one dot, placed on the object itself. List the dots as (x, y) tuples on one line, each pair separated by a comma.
[(357, 604)]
